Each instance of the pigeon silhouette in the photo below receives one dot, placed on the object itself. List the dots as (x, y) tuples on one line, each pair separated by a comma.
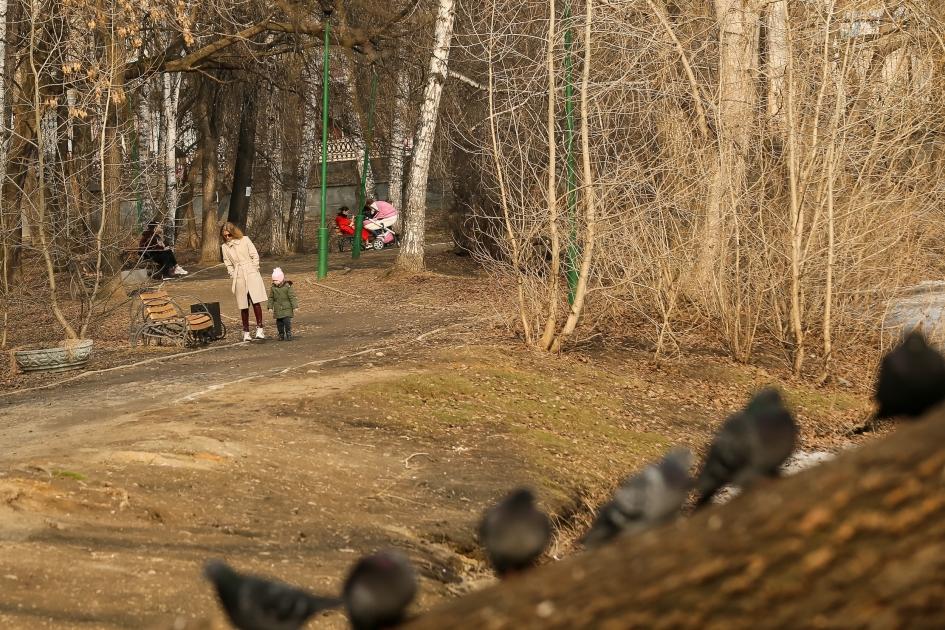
[(256, 604), (514, 532), (378, 590), (651, 497), (911, 379), (750, 445)]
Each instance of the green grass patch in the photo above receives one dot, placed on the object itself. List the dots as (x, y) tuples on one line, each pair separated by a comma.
[(572, 428), (69, 475)]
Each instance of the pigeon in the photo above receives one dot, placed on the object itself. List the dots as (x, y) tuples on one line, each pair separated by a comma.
[(751, 444), (514, 533), (256, 604), (911, 379), (378, 590), (651, 497)]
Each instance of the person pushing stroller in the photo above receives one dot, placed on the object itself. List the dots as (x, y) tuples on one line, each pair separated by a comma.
[(282, 303), (378, 215)]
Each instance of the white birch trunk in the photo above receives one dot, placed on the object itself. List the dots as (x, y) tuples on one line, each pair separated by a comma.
[(149, 137), (411, 253), (310, 128), (143, 114), (170, 101), (352, 119), (547, 336), (399, 139)]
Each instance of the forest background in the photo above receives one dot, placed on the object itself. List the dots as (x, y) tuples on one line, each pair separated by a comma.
[(761, 174)]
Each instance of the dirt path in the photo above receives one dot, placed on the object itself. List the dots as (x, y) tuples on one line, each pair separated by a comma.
[(115, 487), (394, 419)]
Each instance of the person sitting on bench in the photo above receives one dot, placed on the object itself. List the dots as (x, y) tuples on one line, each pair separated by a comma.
[(346, 225), (152, 248)]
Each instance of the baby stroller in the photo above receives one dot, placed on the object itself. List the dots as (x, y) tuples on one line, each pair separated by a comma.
[(385, 237)]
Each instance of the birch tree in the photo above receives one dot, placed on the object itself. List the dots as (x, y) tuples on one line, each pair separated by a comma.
[(171, 98), (410, 258), (399, 139)]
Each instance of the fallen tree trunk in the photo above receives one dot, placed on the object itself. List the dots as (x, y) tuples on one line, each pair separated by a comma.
[(858, 542)]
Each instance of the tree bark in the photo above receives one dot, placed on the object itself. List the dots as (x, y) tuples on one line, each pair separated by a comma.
[(295, 231), (410, 258), (777, 58), (20, 154), (398, 140), (187, 201), (276, 197), (738, 51), (146, 152), (209, 135), (551, 194), (4, 233), (171, 83), (858, 542), (245, 158), (796, 208)]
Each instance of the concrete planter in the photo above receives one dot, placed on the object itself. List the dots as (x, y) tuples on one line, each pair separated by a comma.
[(72, 356)]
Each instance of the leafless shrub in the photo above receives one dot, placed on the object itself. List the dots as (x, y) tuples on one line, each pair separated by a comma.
[(770, 171)]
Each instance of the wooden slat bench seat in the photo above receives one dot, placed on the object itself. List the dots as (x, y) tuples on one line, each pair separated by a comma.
[(160, 317)]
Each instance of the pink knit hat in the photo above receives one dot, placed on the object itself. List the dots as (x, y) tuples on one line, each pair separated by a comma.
[(277, 275)]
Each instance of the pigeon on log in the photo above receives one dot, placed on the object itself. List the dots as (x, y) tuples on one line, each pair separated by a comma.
[(752, 444), (378, 590), (514, 532), (650, 497), (256, 604), (911, 379)]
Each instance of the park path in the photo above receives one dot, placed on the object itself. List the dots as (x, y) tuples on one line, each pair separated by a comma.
[(116, 486), (331, 327)]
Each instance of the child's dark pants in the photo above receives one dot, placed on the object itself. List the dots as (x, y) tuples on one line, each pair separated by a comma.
[(284, 324)]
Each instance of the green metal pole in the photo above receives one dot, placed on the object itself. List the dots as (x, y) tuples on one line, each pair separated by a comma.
[(134, 158), (322, 228), (572, 253), (359, 218)]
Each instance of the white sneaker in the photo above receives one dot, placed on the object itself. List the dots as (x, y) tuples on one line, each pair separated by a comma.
[(247, 336), (259, 334), (180, 271)]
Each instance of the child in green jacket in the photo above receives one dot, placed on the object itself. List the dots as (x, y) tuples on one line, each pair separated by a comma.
[(283, 303)]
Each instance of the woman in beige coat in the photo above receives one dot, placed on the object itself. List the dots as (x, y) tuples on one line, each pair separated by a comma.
[(242, 263)]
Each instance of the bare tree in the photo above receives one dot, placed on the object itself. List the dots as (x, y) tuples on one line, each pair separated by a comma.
[(410, 258)]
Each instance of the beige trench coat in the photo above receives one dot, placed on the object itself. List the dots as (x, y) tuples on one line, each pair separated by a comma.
[(242, 263)]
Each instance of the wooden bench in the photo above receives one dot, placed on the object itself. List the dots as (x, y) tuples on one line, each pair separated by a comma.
[(159, 318)]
